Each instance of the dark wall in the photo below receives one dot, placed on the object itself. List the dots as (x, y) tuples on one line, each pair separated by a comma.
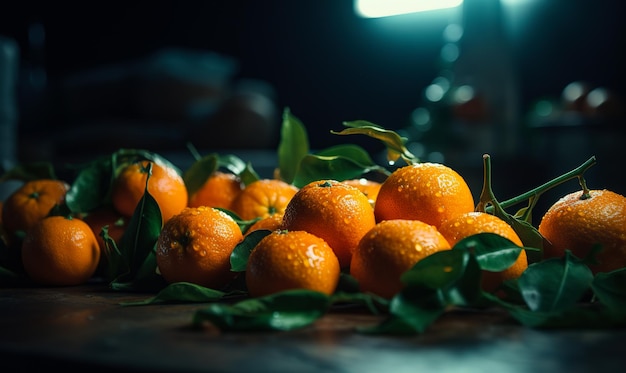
[(326, 64)]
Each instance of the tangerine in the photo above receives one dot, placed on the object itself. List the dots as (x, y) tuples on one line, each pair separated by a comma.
[(195, 246), (28, 204), (369, 187), (166, 185), (219, 190), (334, 211), (471, 223), (60, 251), (391, 248), (263, 198), (578, 222), (286, 260), (430, 192)]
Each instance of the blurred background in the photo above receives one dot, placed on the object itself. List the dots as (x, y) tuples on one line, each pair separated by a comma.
[(538, 84)]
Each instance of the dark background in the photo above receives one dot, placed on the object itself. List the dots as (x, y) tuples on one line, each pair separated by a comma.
[(320, 60)]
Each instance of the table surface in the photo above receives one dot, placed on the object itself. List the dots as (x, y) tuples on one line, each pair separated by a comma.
[(85, 328)]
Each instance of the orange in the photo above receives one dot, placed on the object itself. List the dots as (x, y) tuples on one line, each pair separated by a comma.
[(270, 223), (578, 224), (391, 248), (195, 246), (219, 190), (60, 251), (334, 211), (430, 192), (262, 198), (285, 260), (471, 223), (30, 203), (165, 185), (106, 216), (369, 187), (116, 223)]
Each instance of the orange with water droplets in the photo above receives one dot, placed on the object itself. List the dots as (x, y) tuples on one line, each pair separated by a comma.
[(285, 260), (391, 248), (60, 251), (369, 187), (430, 192), (195, 246), (336, 212), (471, 223), (578, 223)]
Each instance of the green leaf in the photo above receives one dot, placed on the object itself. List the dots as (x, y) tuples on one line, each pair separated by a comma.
[(412, 311), (181, 292), (199, 172), (493, 252), (395, 143), (241, 252), (610, 289), (374, 303), (555, 284), (137, 247), (338, 163), (91, 187), (293, 146), (286, 310)]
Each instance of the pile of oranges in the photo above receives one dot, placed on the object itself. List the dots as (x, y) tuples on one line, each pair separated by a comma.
[(373, 231)]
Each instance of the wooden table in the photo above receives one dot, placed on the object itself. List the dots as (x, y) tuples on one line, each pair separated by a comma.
[(86, 329)]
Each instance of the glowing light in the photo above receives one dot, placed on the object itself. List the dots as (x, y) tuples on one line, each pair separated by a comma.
[(378, 8), (434, 92), (597, 97), (463, 94)]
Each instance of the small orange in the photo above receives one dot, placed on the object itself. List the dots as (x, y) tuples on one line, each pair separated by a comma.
[(430, 192), (391, 248), (336, 212), (369, 187), (219, 190), (60, 251), (262, 198), (165, 185), (270, 223), (286, 260), (471, 223), (195, 246), (30, 203), (116, 223), (578, 223)]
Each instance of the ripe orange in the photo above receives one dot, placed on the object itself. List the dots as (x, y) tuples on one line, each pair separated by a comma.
[(334, 211), (271, 223), (219, 190), (369, 187), (578, 224), (263, 198), (195, 246), (468, 224), (286, 260), (165, 185), (430, 192), (60, 251), (106, 216), (391, 248), (30, 203)]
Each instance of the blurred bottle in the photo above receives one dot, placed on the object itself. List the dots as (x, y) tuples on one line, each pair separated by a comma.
[(9, 62)]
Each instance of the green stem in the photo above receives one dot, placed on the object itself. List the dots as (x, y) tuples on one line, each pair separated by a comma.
[(575, 173)]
